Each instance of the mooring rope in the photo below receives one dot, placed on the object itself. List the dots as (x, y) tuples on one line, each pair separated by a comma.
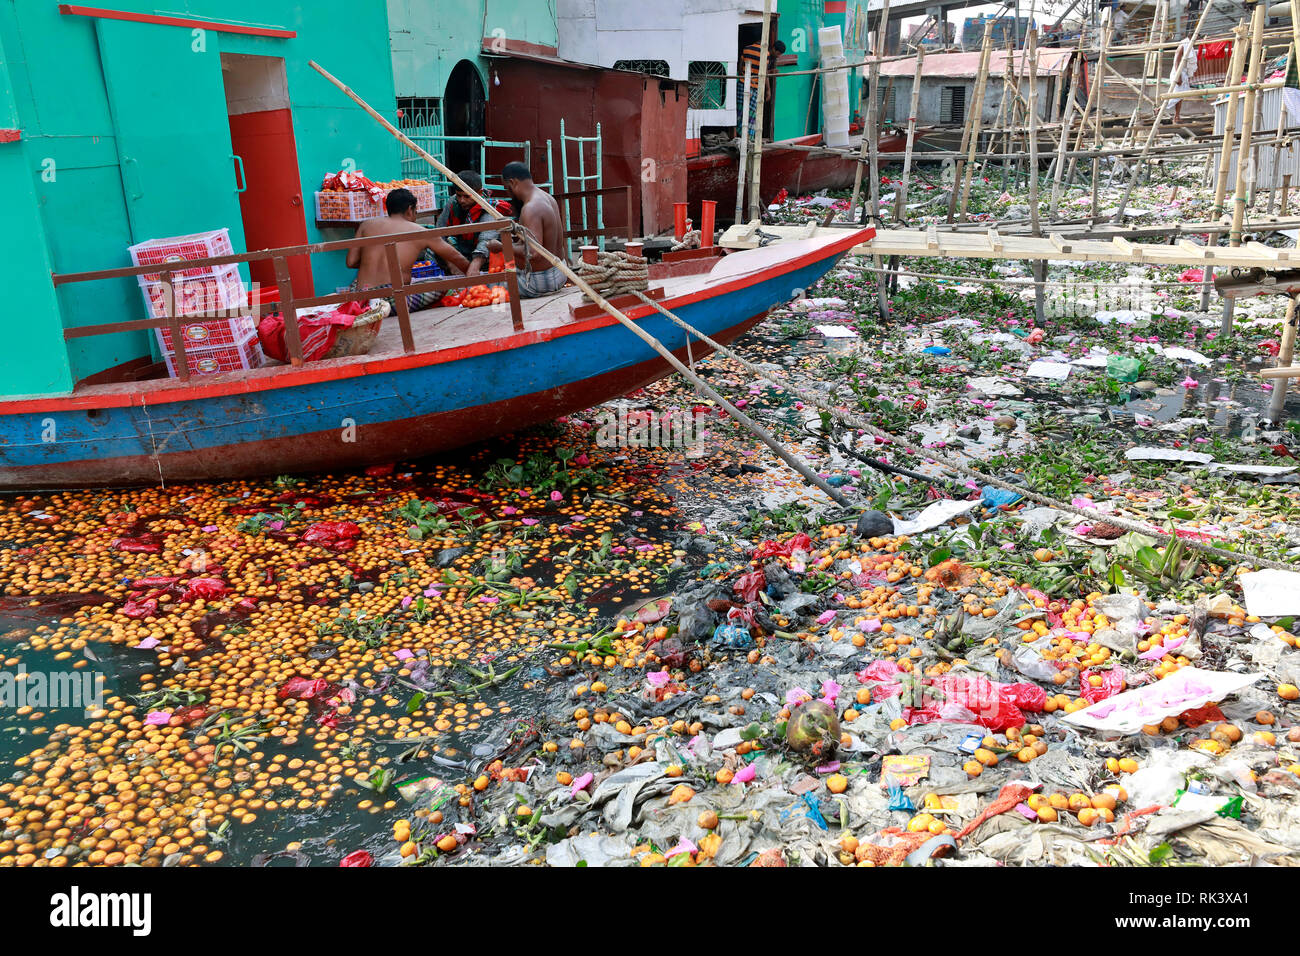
[(692, 240), (960, 467), (615, 273)]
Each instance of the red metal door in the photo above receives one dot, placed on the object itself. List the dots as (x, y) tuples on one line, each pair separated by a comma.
[(271, 201)]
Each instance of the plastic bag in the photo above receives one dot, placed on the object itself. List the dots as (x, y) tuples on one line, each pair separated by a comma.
[(1123, 369), (1112, 682)]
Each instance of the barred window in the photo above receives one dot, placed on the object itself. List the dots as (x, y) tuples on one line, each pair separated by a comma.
[(653, 67), (708, 81), (952, 105)]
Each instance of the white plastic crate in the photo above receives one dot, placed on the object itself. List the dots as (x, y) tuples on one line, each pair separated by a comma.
[(349, 206)]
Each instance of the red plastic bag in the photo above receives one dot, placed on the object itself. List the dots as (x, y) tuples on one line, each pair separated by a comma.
[(972, 698), (301, 688), (1028, 697), (318, 331), (768, 549), (359, 858), (1210, 713), (1112, 682), (206, 588), (749, 585)]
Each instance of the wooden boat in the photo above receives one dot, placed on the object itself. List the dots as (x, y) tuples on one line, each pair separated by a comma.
[(466, 375), (793, 164)]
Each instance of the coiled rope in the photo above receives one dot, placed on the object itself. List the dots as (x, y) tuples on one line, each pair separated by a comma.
[(955, 465), (615, 273)]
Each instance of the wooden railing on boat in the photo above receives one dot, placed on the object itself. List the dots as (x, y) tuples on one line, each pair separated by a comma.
[(288, 305)]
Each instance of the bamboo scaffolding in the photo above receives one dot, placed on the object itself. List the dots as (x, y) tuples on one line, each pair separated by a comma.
[(981, 81), (900, 203)]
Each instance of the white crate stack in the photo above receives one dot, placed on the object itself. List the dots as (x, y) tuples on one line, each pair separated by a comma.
[(835, 87), (213, 344)]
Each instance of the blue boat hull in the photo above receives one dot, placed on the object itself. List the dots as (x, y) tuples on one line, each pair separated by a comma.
[(372, 412)]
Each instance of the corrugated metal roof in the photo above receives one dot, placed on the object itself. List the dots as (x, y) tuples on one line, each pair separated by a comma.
[(1051, 61)]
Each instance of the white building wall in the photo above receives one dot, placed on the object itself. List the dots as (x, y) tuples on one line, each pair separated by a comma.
[(676, 31)]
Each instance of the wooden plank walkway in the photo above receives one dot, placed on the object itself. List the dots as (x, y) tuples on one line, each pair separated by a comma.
[(990, 244)]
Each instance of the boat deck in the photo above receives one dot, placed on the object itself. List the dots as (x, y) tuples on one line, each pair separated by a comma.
[(433, 330)]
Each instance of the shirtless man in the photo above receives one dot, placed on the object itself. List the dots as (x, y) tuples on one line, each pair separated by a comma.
[(540, 214), (371, 262)]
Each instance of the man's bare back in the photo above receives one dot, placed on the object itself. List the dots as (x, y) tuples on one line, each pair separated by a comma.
[(541, 216), (371, 262)]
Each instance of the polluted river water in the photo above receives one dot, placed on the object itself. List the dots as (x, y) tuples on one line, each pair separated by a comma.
[(423, 662)]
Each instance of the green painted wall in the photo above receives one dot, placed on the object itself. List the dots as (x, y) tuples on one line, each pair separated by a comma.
[(125, 138), (429, 37), (798, 24)]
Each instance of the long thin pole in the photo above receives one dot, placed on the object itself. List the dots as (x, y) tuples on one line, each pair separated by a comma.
[(1285, 354), (976, 121), (756, 171), (742, 169), (870, 131), (1245, 161), (1071, 102), (1039, 266), (901, 202), (1096, 129), (1138, 167), (1094, 92), (763, 435), (959, 168), (1235, 64)]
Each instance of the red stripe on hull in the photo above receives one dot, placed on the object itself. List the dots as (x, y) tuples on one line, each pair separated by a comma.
[(374, 444)]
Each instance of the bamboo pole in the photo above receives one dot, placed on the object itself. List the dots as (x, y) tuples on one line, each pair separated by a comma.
[(1247, 126), (1039, 266), (1096, 133), (780, 450), (756, 172), (981, 82), (959, 168), (1244, 147), (743, 168), (869, 132), (1180, 57), (901, 202), (1094, 94), (1285, 354), (1071, 104), (1235, 64)]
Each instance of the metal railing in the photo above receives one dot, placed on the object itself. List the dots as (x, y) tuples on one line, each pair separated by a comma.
[(290, 306), (582, 235)]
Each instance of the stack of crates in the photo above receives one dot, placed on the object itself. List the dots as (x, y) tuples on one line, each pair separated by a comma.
[(213, 344), (835, 88)]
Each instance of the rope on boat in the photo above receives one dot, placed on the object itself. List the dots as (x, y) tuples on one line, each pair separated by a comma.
[(615, 273), (692, 240), (960, 467)]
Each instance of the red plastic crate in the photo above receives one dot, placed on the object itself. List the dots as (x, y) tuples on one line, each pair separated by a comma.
[(209, 333), (225, 358), (199, 245), (222, 292)]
